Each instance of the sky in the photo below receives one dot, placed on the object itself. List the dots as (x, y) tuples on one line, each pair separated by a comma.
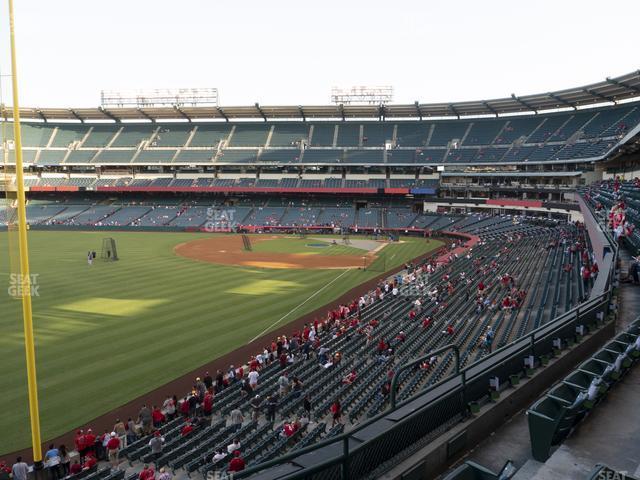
[(291, 52)]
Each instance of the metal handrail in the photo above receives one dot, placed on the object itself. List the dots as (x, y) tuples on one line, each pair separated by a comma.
[(406, 366)]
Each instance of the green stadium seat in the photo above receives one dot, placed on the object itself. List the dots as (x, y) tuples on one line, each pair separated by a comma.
[(323, 134)]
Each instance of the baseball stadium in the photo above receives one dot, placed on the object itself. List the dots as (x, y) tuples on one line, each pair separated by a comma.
[(360, 289)]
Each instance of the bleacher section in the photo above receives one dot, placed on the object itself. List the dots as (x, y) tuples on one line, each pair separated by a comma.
[(529, 138), (169, 183)]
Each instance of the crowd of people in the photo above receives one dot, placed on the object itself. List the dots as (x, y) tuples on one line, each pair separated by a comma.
[(198, 406), (620, 221)]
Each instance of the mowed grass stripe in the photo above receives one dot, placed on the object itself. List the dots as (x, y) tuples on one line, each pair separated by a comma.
[(92, 357)]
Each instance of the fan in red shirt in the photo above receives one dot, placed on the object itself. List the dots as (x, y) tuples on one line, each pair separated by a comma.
[(147, 473), (113, 443), (75, 468), (349, 379), (89, 442), (336, 411), (187, 429), (237, 463), (426, 322), (290, 428), (113, 447), (207, 404), (253, 364), (89, 462), (450, 330), (157, 416), (80, 443)]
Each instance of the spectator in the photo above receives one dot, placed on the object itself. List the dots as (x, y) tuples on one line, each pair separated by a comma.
[(289, 429), (169, 408), (207, 404), (79, 442), (187, 429), (219, 455), (253, 379), (113, 449), (147, 473), (306, 405), (156, 444), (89, 462), (336, 412), (283, 384), (236, 418), (157, 417), (208, 381), (65, 461), (90, 443), (75, 468), (102, 446), (121, 431), (245, 388), (52, 462), (237, 463), (256, 405), (164, 474), (350, 378), (145, 419), (132, 431), (585, 273), (271, 407), (233, 446)]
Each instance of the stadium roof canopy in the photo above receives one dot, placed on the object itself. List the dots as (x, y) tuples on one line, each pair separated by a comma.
[(611, 90)]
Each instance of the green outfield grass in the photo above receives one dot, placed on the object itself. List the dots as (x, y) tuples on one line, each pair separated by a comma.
[(113, 331)]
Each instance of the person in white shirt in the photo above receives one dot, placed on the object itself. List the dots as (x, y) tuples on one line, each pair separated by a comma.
[(253, 379), (20, 470), (233, 446), (220, 454)]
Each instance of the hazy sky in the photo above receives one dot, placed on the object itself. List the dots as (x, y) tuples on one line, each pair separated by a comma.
[(293, 52)]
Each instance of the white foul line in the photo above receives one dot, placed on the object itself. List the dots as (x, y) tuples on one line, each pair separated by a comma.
[(295, 308)]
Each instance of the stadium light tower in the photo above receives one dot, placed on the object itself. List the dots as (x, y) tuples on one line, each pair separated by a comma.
[(363, 95), (164, 97)]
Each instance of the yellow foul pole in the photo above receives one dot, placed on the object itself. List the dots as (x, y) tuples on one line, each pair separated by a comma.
[(24, 259)]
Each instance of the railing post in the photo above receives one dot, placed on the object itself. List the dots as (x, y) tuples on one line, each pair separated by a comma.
[(464, 393), (533, 346), (394, 380), (345, 458), (456, 353)]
